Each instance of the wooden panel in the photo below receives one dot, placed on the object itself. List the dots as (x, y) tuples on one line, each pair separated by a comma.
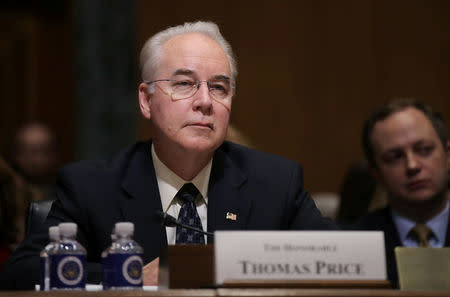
[(311, 71), (234, 293), (36, 77), (18, 74)]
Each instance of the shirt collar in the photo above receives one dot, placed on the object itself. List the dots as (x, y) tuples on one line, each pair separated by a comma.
[(170, 183), (437, 224)]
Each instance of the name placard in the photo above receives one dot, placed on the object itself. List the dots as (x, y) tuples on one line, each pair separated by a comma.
[(299, 255)]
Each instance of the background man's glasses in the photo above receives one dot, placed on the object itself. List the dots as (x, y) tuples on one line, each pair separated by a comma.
[(219, 89)]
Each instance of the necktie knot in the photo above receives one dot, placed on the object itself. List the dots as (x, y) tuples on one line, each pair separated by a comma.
[(188, 193), (423, 233)]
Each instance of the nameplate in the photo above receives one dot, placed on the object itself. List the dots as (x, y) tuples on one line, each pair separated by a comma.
[(299, 255), (423, 268)]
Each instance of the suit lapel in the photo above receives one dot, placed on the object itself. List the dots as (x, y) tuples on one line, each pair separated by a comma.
[(447, 235), (224, 197), (391, 229), (143, 199), (227, 209), (392, 240)]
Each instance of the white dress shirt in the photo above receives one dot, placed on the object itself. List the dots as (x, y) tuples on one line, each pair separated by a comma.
[(169, 184)]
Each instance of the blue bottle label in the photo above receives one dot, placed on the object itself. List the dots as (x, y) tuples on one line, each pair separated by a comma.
[(125, 270), (68, 271), (107, 271)]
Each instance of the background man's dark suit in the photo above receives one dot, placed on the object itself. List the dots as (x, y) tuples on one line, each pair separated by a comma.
[(263, 190), (382, 220)]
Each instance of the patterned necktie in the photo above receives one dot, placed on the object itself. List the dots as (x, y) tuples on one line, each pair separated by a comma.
[(422, 232), (188, 215)]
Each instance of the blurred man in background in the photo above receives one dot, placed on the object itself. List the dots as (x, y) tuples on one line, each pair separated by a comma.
[(14, 199), (407, 147), (34, 155)]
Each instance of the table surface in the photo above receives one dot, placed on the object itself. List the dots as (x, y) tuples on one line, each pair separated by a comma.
[(234, 293)]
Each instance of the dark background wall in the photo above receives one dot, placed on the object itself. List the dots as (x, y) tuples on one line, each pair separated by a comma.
[(37, 69), (309, 71)]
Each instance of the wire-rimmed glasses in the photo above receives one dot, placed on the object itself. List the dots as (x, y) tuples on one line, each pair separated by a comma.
[(178, 89)]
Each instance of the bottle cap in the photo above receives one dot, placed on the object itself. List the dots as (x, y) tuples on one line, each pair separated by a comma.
[(67, 229), (53, 233), (124, 228)]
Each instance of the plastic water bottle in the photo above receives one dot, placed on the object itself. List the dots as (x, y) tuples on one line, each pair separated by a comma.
[(53, 234), (68, 260), (124, 260)]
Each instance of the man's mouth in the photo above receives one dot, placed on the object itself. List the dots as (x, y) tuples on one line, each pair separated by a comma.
[(417, 185), (205, 125)]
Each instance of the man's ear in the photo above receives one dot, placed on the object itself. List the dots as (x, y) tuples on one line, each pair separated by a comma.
[(144, 100)]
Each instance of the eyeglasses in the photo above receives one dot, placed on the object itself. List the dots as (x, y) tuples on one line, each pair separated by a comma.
[(219, 89)]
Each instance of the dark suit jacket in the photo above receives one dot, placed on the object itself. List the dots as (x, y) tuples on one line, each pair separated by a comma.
[(382, 220), (263, 190)]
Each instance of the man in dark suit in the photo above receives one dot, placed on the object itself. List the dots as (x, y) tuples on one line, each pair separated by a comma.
[(407, 147), (188, 75)]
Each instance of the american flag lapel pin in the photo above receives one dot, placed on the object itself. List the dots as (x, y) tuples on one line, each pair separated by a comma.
[(231, 216)]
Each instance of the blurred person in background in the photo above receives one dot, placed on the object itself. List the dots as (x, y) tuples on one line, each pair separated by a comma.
[(406, 145), (34, 155), (235, 135), (14, 199), (360, 193)]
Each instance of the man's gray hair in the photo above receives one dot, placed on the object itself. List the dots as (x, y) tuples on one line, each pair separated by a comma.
[(151, 52)]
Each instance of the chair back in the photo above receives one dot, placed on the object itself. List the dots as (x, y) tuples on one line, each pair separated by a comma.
[(37, 213)]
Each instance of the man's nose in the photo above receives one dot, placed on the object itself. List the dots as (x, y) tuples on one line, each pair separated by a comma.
[(202, 98), (413, 164)]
